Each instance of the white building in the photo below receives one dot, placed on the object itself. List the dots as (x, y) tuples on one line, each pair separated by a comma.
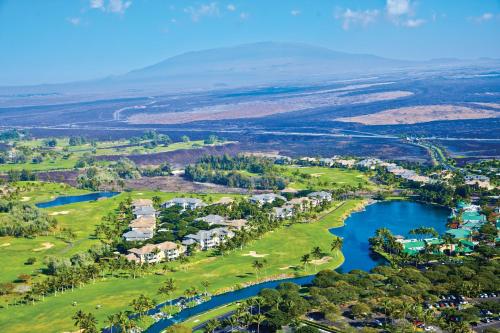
[(208, 239), (184, 203)]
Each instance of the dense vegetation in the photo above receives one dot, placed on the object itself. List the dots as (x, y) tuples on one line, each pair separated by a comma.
[(399, 298), (23, 220), (226, 170)]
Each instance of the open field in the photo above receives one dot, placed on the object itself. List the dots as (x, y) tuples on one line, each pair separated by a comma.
[(422, 114), (265, 107), (226, 272)]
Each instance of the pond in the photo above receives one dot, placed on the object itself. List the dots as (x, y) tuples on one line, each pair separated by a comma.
[(398, 216), (70, 199)]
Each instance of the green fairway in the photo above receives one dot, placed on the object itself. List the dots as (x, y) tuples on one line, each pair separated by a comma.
[(282, 250), (322, 177)]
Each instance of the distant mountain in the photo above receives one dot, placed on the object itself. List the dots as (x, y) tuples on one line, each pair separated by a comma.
[(262, 61)]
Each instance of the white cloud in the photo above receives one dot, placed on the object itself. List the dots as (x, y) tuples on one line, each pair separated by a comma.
[(398, 7), (413, 23), (483, 18), (112, 6), (352, 17), (295, 12), (74, 20), (231, 7), (118, 6), (196, 13), (97, 4)]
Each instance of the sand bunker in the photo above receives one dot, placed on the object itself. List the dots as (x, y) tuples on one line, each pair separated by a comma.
[(421, 114), (321, 261), (45, 246), (286, 267), (317, 174), (254, 254), (24, 199), (62, 212)]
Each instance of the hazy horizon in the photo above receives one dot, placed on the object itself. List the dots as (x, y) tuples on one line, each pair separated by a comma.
[(92, 39)]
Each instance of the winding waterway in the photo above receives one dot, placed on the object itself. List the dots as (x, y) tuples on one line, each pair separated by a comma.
[(398, 216)]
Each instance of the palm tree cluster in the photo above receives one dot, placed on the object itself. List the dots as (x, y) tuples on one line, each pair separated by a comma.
[(85, 322), (252, 312)]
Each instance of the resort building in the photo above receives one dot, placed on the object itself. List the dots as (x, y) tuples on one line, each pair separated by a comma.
[(212, 219), (184, 203), (369, 163), (284, 212), (435, 246), (320, 196), (144, 225), (144, 211), (459, 233), (137, 203), (153, 253), (135, 235), (268, 198), (236, 224), (208, 239), (302, 203)]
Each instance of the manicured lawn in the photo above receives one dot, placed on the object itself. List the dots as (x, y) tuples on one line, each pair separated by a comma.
[(321, 177), (214, 313), (282, 248)]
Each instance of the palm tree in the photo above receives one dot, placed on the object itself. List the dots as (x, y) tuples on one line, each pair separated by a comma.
[(79, 318), (122, 321), (211, 326), (259, 302), (89, 324), (112, 321), (258, 319), (257, 265), (386, 305), (232, 321), (317, 253), (167, 289), (247, 320), (205, 284), (336, 244), (306, 258), (424, 231), (449, 240)]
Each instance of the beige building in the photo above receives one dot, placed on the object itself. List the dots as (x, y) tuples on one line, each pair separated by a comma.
[(153, 253)]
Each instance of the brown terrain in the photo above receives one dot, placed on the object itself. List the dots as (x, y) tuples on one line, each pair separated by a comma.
[(421, 114), (264, 108)]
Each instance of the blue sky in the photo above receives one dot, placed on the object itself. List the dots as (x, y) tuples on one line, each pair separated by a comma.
[(67, 40)]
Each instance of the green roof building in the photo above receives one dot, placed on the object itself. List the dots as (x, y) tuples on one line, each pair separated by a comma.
[(473, 217), (459, 233), (413, 247)]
